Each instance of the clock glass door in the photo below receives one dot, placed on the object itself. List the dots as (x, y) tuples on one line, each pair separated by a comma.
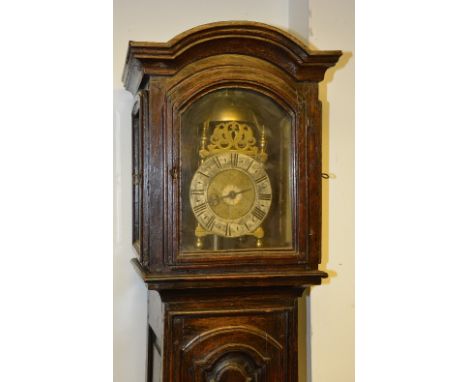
[(236, 183), (136, 174)]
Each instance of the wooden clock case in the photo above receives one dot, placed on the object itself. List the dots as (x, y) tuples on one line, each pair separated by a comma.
[(229, 316)]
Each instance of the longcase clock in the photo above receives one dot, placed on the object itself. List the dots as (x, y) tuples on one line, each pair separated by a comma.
[(226, 198)]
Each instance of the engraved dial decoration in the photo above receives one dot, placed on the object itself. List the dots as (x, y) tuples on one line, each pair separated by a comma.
[(230, 194)]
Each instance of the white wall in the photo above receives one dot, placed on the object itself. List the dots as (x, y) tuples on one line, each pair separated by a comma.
[(129, 290), (159, 20), (332, 27)]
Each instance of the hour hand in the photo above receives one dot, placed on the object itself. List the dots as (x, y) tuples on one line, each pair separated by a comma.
[(233, 194), (242, 191)]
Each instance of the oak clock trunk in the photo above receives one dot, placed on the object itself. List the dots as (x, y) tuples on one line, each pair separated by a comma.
[(226, 140)]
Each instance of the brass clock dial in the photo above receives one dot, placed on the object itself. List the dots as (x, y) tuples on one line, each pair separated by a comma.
[(230, 194)]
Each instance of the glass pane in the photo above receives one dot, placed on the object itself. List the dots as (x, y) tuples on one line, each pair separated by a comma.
[(136, 173), (235, 173)]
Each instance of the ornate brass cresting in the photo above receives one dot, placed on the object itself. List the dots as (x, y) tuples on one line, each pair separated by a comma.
[(233, 136)]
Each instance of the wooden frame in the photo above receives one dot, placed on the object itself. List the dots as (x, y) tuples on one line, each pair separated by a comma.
[(227, 55), (232, 315)]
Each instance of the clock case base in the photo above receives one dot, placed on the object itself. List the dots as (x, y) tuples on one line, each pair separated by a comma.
[(235, 334)]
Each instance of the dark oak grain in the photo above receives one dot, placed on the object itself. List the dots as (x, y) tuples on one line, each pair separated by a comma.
[(235, 37), (229, 316)]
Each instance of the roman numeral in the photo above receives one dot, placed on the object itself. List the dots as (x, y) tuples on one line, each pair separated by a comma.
[(258, 213), (234, 159), (250, 165), (198, 210), (217, 162), (202, 173), (210, 223), (197, 192), (264, 196), (228, 230), (261, 179)]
